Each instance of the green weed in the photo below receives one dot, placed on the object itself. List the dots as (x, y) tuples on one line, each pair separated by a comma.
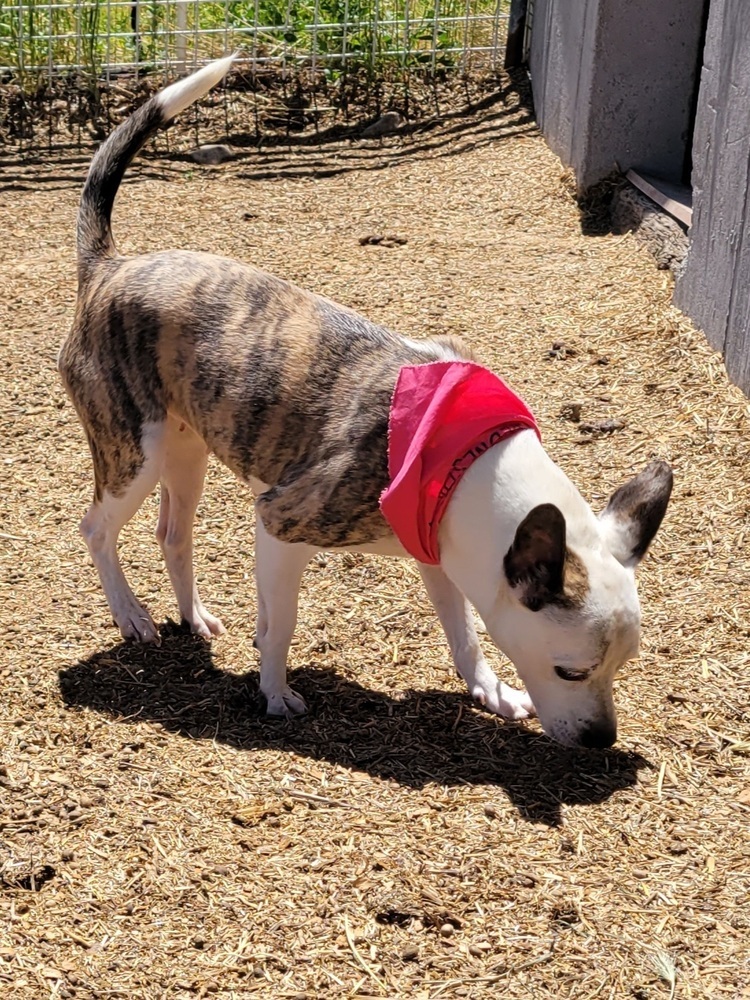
[(95, 37)]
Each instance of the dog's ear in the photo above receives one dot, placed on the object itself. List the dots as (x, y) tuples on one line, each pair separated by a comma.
[(635, 511), (535, 562)]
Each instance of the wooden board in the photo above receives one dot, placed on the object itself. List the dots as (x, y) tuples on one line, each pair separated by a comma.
[(673, 198), (713, 289)]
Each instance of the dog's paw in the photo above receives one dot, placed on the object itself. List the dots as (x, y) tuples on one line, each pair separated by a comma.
[(285, 703), (137, 624), (505, 701), (205, 624)]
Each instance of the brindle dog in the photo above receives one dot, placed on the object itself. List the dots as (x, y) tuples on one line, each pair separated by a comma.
[(175, 355)]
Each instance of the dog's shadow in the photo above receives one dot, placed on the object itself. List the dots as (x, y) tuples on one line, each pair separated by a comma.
[(415, 739)]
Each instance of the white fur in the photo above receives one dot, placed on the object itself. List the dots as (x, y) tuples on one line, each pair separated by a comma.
[(429, 348), (176, 457), (477, 531), (279, 569), (494, 495), (278, 572), (181, 95), (457, 619), (182, 470)]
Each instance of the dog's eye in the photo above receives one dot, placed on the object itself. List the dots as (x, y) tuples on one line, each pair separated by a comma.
[(570, 675)]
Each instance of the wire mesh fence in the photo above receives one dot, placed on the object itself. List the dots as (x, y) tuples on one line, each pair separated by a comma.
[(101, 38), (71, 69)]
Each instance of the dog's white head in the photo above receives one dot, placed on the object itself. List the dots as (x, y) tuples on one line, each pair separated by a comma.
[(560, 600)]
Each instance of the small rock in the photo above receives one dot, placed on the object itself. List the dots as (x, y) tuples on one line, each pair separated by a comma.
[(382, 241), (604, 427), (527, 881), (447, 930), (490, 811), (480, 948), (560, 351), (571, 411), (212, 155), (385, 125), (67, 855), (566, 915), (48, 972), (410, 953)]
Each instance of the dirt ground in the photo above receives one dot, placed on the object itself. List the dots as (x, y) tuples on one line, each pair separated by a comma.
[(160, 838)]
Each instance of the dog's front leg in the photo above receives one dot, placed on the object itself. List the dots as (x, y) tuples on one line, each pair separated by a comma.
[(278, 572), (455, 615)]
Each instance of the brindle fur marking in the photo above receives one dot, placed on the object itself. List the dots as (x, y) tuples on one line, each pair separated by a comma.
[(176, 354), (286, 388), (540, 562), (641, 505), (575, 581)]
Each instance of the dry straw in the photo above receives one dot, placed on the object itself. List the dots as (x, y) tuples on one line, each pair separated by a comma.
[(160, 838)]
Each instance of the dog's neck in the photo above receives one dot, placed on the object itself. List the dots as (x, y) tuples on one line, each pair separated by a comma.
[(494, 496)]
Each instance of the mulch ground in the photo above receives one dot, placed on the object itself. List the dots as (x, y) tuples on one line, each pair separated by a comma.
[(160, 838)]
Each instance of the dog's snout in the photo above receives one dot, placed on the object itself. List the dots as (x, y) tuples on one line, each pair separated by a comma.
[(599, 735)]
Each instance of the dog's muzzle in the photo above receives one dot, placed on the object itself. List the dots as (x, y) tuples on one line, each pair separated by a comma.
[(598, 735)]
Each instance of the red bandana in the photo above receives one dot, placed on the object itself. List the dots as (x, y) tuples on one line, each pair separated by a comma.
[(443, 416)]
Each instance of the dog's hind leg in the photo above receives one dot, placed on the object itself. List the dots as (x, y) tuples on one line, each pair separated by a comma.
[(454, 612), (101, 526), (278, 571), (182, 474)]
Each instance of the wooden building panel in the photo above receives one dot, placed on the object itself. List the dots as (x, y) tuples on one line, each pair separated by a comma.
[(709, 289)]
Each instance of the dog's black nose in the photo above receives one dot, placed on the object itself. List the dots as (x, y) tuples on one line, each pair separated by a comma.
[(599, 735)]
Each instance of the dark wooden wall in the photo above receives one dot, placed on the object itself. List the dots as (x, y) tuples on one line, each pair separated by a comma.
[(714, 288), (614, 82)]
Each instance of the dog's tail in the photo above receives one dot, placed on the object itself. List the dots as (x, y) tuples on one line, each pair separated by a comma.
[(114, 156)]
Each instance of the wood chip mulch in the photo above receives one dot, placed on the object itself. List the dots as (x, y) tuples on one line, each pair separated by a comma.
[(160, 838)]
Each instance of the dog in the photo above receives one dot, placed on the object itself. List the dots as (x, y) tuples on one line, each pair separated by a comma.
[(175, 355)]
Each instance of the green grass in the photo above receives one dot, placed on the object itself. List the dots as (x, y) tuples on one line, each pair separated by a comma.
[(93, 34)]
